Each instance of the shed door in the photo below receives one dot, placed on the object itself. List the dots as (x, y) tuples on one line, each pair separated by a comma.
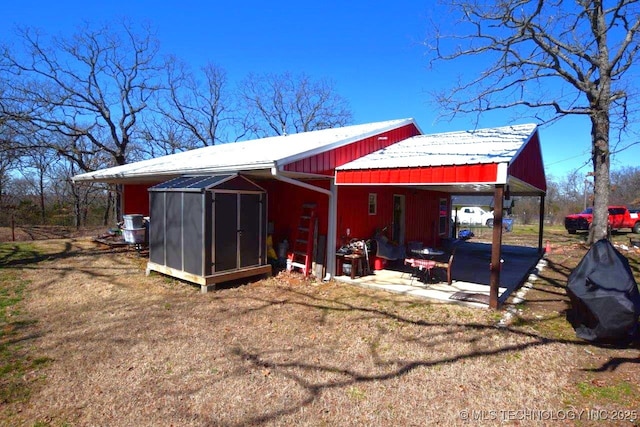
[(237, 237), (225, 232), (249, 234)]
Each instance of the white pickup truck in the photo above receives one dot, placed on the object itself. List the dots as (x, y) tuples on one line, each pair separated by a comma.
[(473, 215)]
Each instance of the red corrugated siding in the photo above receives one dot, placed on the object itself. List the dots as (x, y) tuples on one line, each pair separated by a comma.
[(421, 175), (421, 213), (528, 166), (325, 163), (285, 206), (135, 199)]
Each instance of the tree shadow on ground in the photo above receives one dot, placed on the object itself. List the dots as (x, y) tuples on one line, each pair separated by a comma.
[(302, 373), (383, 317), (614, 363), (17, 255)]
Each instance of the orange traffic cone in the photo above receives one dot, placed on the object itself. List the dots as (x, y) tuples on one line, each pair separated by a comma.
[(547, 248)]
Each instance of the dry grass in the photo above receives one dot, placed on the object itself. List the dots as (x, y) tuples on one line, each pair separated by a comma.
[(124, 349), (22, 233)]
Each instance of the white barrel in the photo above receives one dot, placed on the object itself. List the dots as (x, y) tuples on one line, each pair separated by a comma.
[(134, 235), (133, 221)]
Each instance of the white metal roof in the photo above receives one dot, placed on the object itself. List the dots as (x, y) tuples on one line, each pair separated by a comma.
[(256, 154), (491, 145)]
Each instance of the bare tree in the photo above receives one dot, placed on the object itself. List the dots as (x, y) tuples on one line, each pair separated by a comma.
[(278, 104), (163, 137), (554, 206), (556, 57), (195, 109), (8, 160), (625, 186), (35, 164), (95, 85), (9, 148)]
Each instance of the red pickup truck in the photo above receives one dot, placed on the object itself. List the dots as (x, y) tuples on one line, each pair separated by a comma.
[(619, 217)]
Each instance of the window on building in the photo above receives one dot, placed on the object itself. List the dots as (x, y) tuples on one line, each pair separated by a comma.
[(373, 203), (444, 216)]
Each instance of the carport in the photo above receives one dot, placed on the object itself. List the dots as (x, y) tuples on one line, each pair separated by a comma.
[(471, 284), (502, 162)]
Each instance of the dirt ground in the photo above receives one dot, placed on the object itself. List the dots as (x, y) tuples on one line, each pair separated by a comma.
[(125, 349)]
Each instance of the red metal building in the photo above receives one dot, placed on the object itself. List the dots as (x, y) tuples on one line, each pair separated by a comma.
[(363, 178)]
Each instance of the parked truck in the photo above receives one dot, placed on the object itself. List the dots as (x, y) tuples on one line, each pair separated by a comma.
[(472, 215), (619, 218)]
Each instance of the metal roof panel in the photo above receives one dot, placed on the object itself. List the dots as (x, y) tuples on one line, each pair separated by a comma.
[(256, 154), (491, 145)]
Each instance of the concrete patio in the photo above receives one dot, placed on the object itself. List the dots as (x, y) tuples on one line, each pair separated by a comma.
[(470, 274)]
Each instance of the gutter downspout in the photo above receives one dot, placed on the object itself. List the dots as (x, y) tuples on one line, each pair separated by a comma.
[(333, 214)]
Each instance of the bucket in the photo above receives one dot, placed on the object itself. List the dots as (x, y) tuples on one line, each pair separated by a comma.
[(346, 269), (133, 221), (507, 223), (283, 248), (379, 263)]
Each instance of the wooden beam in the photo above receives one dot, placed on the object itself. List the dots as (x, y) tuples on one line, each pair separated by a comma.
[(496, 247), (212, 280), (174, 272), (208, 283)]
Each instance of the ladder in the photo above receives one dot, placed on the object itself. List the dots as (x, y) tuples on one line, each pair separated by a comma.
[(302, 248)]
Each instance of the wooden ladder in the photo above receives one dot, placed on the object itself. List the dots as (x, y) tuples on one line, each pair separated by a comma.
[(302, 248)]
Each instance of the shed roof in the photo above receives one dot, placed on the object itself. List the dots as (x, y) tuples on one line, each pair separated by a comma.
[(207, 182), (253, 155), (468, 161)]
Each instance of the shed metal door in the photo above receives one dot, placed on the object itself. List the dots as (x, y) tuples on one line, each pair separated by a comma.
[(225, 232), (237, 237), (249, 234)]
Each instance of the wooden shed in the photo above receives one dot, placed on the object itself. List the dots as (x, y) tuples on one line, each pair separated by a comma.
[(208, 229)]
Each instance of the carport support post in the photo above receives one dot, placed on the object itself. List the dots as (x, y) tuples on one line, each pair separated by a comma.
[(541, 226), (496, 247)]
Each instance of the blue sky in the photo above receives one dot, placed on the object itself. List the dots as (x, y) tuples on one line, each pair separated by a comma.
[(371, 50)]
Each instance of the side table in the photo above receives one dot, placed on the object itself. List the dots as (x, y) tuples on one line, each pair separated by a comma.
[(355, 259)]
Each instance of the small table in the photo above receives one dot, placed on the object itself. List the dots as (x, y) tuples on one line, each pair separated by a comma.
[(425, 261), (355, 259)]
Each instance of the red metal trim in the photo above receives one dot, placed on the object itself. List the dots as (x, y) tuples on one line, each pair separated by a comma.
[(326, 162), (528, 166), (451, 174)]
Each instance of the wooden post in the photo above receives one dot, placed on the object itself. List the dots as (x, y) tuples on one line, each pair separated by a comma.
[(496, 247), (13, 227)]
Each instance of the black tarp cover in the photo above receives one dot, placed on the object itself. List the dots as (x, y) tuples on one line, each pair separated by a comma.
[(605, 302)]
